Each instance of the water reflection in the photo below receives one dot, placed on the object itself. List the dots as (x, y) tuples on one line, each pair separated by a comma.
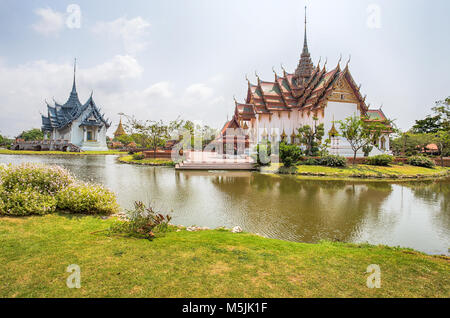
[(413, 214)]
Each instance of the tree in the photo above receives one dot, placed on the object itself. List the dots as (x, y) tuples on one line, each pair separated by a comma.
[(431, 124), (410, 144), (311, 137), (124, 139), (442, 108), (150, 133), (437, 122), (32, 134), (360, 132), (2, 140), (442, 140)]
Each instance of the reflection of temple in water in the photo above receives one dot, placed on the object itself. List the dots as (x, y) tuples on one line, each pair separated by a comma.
[(303, 210)]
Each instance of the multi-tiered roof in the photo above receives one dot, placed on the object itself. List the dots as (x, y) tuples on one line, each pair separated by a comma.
[(60, 116), (307, 88)]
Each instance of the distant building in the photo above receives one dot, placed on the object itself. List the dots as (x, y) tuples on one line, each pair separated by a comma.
[(82, 125), (274, 110)]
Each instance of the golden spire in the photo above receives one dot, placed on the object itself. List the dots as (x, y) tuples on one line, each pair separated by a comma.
[(120, 131)]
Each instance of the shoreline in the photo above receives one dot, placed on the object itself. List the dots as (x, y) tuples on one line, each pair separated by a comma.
[(60, 153), (394, 173), (145, 162)]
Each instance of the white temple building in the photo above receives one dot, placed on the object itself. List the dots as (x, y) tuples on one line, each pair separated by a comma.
[(274, 110), (73, 123)]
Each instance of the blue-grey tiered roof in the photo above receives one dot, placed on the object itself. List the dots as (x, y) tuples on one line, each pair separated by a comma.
[(60, 116)]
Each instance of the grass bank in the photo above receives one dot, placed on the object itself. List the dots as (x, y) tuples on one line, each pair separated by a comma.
[(361, 171), (65, 153), (35, 252), (146, 162)]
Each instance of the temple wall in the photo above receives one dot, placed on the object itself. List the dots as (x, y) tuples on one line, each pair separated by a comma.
[(333, 111)]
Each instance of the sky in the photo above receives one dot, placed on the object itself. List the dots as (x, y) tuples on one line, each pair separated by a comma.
[(189, 58)]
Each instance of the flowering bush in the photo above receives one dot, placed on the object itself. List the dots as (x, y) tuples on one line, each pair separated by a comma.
[(87, 199), (30, 189), (2, 204), (43, 179), (20, 202)]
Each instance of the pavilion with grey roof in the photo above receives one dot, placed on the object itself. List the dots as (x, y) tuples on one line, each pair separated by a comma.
[(82, 125)]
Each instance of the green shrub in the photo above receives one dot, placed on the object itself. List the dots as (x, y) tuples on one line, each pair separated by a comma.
[(367, 149), (310, 162), (333, 161), (287, 170), (87, 199), (142, 222), (380, 160), (290, 154), (20, 202), (41, 178), (138, 156), (420, 161)]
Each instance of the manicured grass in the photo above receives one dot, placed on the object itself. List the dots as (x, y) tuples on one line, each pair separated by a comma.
[(35, 252), (365, 171), (147, 162), (29, 152), (393, 171)]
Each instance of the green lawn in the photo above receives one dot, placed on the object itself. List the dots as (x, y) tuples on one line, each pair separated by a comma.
[(29, 152), (146, 162), (35, 252), (365, 171)]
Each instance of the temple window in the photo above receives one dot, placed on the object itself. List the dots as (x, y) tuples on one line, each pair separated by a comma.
[(342, 96)]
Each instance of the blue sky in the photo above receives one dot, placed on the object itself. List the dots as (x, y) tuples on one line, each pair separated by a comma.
[(161, 59)]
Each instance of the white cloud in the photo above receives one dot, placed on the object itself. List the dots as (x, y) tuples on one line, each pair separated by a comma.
[(132, 32), (112, 75), (25, 87), (199, 91), (51, 22), (161, 89)]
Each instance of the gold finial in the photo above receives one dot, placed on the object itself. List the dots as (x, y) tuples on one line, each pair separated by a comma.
[(340, 59)]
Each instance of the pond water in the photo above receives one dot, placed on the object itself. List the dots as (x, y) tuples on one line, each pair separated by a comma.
[(409, 214)]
